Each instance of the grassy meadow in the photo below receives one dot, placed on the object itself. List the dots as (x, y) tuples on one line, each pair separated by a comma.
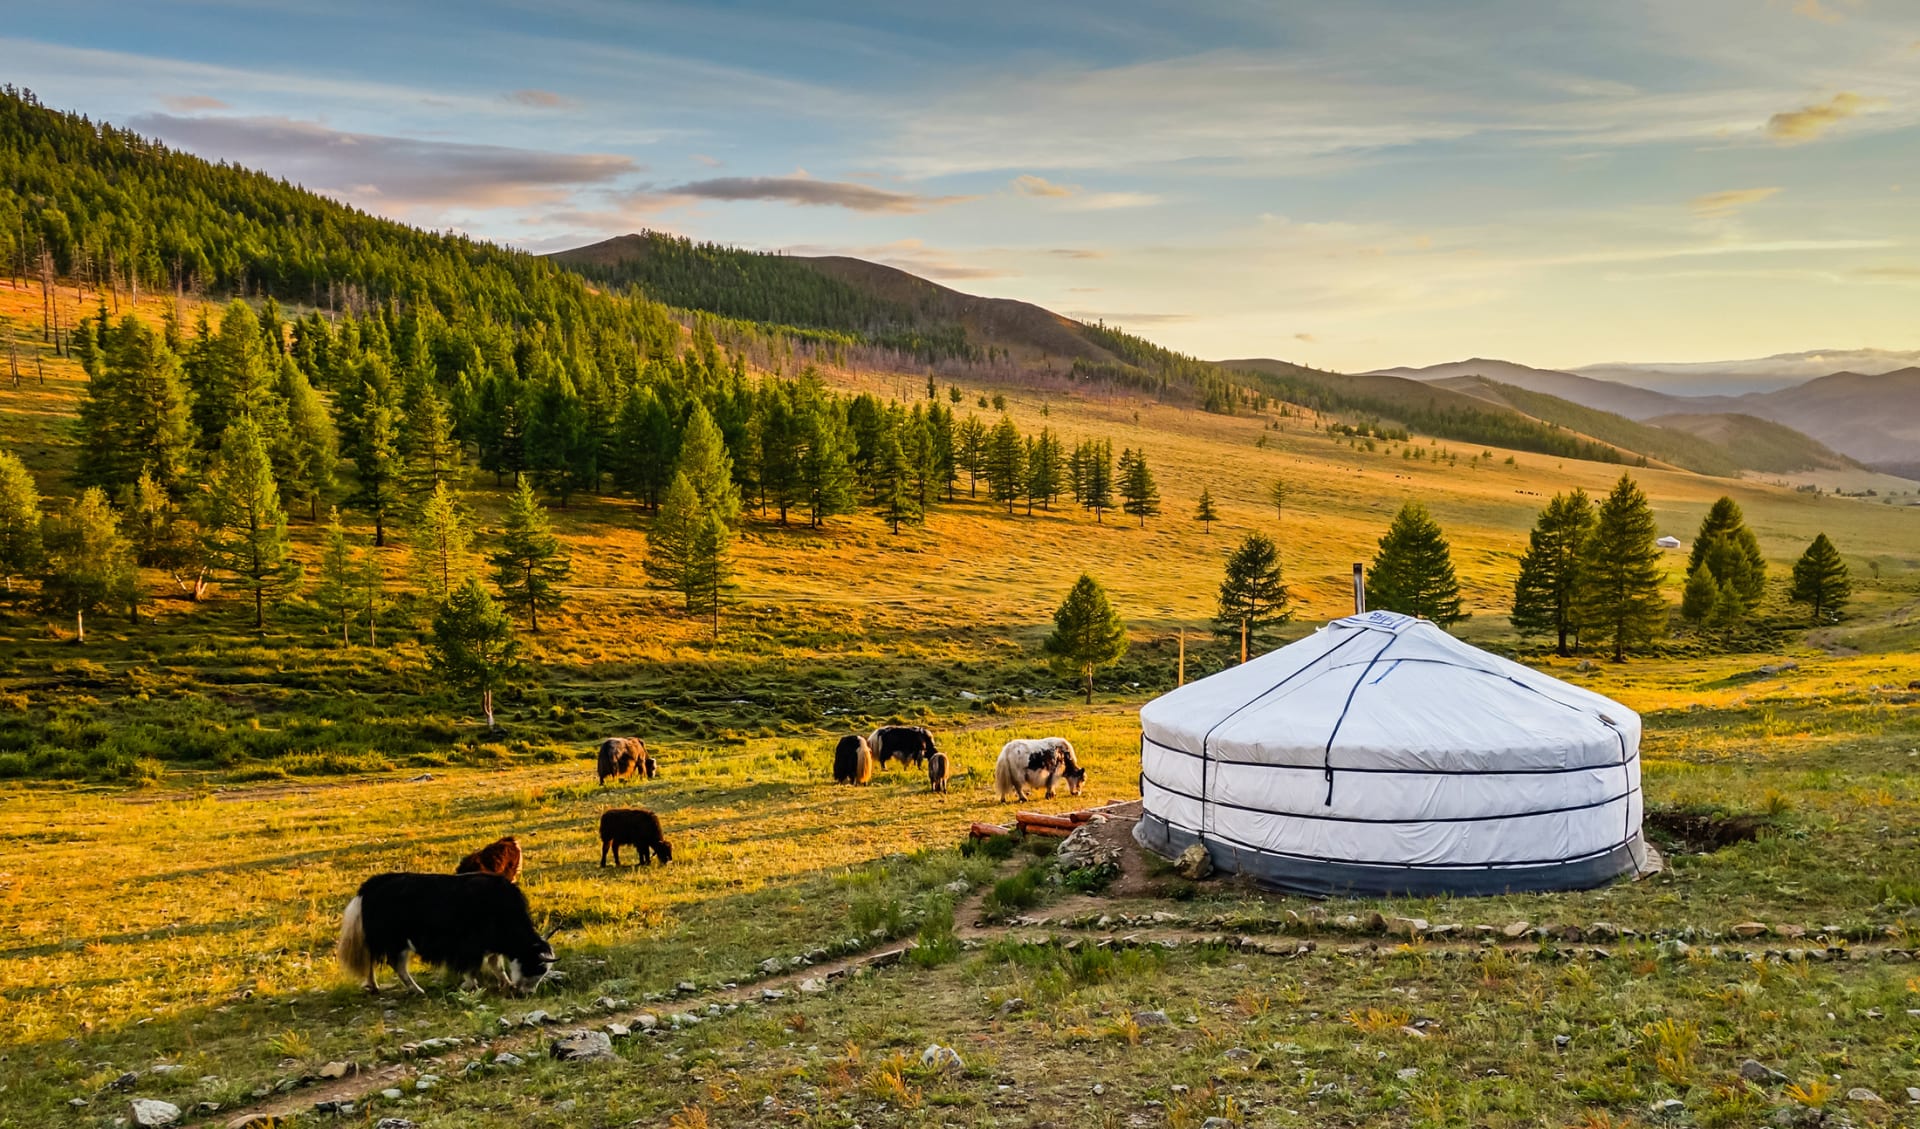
[(196, 801)]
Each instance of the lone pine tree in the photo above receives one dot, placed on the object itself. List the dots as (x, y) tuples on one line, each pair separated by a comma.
[(1620, 603), (1253, 593), (1087, 634), (1549, 580), (1413, 571), (1820, 581)]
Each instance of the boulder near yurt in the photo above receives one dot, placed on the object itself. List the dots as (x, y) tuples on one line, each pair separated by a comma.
[(1380, 755)]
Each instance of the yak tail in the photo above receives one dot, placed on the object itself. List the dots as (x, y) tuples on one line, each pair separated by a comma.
[(352, 950)]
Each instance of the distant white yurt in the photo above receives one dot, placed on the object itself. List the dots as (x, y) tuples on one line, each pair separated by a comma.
[(1381, 755), (1668, 542)]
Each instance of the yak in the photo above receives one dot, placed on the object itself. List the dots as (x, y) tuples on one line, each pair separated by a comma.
[(502, 857), (462, 922), (937, 771), (908, 744), (633, 827), (1036, 763), (852, 760), (621, 757)]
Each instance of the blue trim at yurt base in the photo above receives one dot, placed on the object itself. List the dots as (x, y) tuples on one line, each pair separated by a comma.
[(1331, 877)]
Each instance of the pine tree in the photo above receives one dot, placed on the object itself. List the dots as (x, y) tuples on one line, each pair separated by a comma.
[(893, 483), (337, 592), (945, 461), (371, 579), (135, 415), (645, 446), (376, 462), (473, 645), (429, 454), (1046, 470), (1204, 513), (1087, 634), (1253, 592), (1005, 463), (1096, 485), (1820, 581), (711, 572), (1700, 596), (441, 544), (89, 564), (532, 563), (1549, 580), (1620, 603), (826, 473), (561, 451), (687, 547), (245, 528), (1730, 551), (708, 467), (309, 451), (232, 375), (1413, 571), (21, 547), (970, 446), (1278, 493), (165, 538), (1138, 494)]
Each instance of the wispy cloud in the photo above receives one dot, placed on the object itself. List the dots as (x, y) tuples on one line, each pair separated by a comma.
[(1027, 184), (540, 99), (808, 192), (1814, 10), (1074, 197), (911, 255), (1809, 122), (1717, 205), (192, 103), (710, 162), (391, 174)]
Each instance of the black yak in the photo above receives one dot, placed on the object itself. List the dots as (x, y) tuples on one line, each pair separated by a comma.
[(852, 760), (632, 827), (462, 922), (908, 744)]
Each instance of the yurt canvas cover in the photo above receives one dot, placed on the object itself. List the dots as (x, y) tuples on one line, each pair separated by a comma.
[(1382, 755)]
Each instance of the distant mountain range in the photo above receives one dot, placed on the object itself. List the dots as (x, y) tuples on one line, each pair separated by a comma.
[(1871, 418), (1762, 374), (1479, 401)]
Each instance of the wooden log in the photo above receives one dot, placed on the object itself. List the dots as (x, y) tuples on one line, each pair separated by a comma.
[(988, 830), (1049, 832), (1041, 819)]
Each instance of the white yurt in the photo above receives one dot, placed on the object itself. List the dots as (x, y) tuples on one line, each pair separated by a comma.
[(1380, 755)]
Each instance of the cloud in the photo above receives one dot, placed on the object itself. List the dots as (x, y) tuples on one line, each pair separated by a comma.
[(1809, 122), (710, 162), (1718, 205), (1890, 273), (808, 192), (1029, 185), (1813, 10), (910, 255), (1305, 338), (540, 99), (192, 103), (390, 174), (1076, 253), (1107, 201)]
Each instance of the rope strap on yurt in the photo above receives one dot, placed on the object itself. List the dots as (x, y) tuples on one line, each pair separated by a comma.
[(1351, 691), (1206, 758)]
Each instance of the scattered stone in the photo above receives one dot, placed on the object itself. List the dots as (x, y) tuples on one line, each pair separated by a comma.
[(646, 1022), (1669, 1107), (567, 1106), (1913, 1095), (1562, 1042), (1407, 1074), (77, 1103), (1415, 1032), (506, 1024), (1516, 930), (771, 965), (392, 1095), (422, 778), (959, 886), (426, 1082), (337, 1070), (508, 1058), (583, 1046), (684, 986), (1012, 1005), (166, 1069), (1674, 950), (1216, 1123), (618, 1030), (1151, 1018), (942, 1058), (1194, 864), (1747, 930), (125, 1081), (1407, 926), (772, 994), (535, 1019), (1099, 1088), (813, 984), (151, 1113), (394, 1123), (1862, 1094)]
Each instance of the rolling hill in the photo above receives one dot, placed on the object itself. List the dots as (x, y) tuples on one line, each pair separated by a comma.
[(1606, 395)]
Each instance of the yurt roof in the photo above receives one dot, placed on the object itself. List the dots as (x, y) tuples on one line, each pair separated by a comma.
[(1388, 692)]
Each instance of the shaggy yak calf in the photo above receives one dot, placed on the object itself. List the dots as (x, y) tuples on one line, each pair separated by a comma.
[(852, 760), (502, 857), (621, 757), (908, 744), (937, 771), (462, 922), (632, 827), (1043, 762)]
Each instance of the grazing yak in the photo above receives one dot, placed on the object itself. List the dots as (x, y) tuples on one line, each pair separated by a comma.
[(633, 827), (937, 771), (852, 760), (621, 757), (908, 744), (462, 922), (502, 857), (1029, 763)]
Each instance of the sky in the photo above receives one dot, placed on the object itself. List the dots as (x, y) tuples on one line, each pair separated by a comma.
[(1350, 185)]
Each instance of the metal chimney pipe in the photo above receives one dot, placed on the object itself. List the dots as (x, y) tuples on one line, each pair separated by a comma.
[(1359, 589)]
